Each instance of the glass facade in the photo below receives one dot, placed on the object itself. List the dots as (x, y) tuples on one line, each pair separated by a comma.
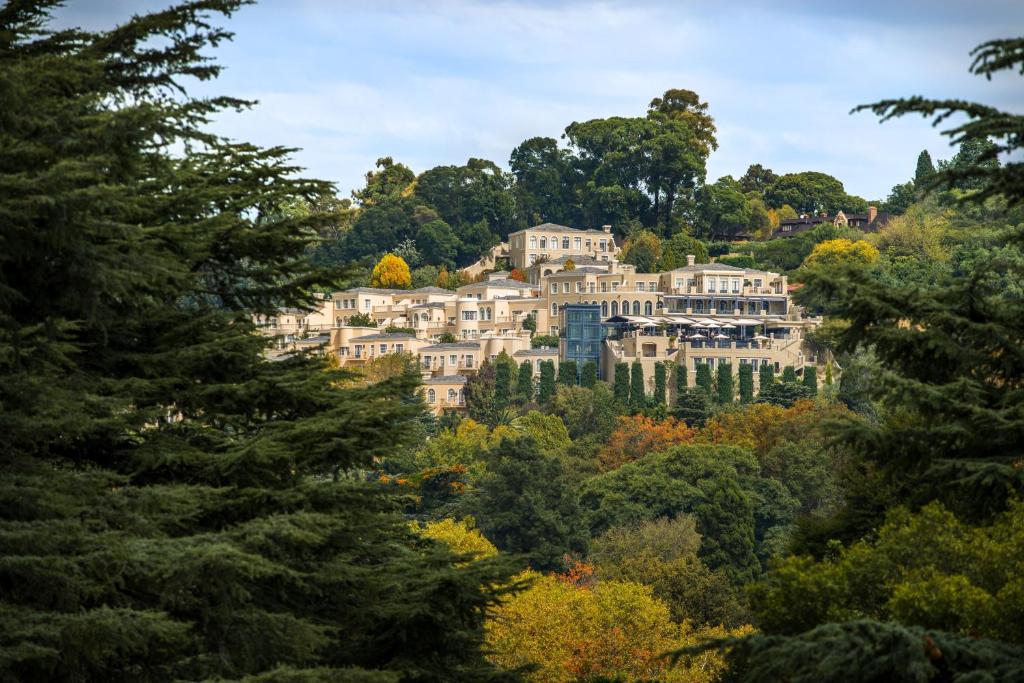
[(583, 333)]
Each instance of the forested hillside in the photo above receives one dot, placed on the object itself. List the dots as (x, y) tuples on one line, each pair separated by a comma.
[(175, 506)]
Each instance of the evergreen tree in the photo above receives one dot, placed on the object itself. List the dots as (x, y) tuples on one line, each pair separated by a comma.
[(547, 381), (524, 383), (925, 169), (637, 393), (173, 506), (681, 378), (693, 407), (525, 505), (746, 383), (811, 379), (789, 374), (504, 370), (659, 384), (765, 377), (725, 391), (828, 374), (588, 375), (704, 380), (621, 387), (567, 373)]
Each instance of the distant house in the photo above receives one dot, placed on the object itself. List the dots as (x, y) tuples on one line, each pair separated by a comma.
[(866, 222)]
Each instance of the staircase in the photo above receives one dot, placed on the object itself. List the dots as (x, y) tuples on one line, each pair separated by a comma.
[(488, 260)]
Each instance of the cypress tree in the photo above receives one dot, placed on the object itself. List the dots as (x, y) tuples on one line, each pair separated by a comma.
[(704, 380), (588, 376), (725, 392), (765, 377), (811, 379), (828, 374), (681, 378), (547, 381), (789, 374), (925, 169), (659, 384), (524, 383), (621, 386), (567, 373), (173, 505), (746, 383), (504, 370), (637, 393), (693, 407)]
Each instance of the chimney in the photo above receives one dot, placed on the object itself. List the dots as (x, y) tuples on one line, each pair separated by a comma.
[(606, 228), (690, 259), (872, 213)]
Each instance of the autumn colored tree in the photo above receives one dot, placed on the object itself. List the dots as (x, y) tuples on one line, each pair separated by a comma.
[(569, 265), (832, 253), (614, 630), (461, 536), (636, 435), (443, 278), (517, 275), (391, 272)]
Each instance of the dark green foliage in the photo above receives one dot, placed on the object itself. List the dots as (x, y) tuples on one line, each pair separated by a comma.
[(811, 192), (675, 250), (784, 394), (361, 320), (765, 376), (637, 392), (547, 381), (548, 340), (568, 372), (530, 324), (704, 380), (446, 338), (681, 378), (725, 392), (693, 406), (811, 379), (406, 330), (524, 505), (868, 651), (789, 374), (588, 375), (659, 384), (746, 383), (715, 484), (482, 404), (738, 260), (621, 387), (173, 506), (925, 169), (524, 383), (504, 371)]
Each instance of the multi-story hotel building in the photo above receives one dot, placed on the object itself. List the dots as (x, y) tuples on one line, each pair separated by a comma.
[(699, 313)]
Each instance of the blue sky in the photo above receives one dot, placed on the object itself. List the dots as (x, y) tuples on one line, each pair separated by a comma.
[(437, 82)]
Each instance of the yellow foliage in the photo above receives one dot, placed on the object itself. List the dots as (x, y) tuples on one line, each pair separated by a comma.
[(841, 251), (615, 629), (461, 536), (391, 272)]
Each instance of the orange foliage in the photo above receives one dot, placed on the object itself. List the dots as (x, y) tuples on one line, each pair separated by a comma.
[(517, 274), (762, 426), (579, 574), (635, 436)]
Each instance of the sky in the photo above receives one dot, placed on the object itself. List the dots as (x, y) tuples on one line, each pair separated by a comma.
[(437, 82)]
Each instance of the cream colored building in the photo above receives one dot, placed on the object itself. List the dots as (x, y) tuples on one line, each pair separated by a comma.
[(550, 241), (444, 393)]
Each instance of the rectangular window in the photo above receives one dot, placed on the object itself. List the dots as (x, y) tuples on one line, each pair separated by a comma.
[(711, 284), (591, 287), (604, 286), (383, 348), (615, 286), (757, 282), (469, 361), (533, 259), (554, 288), (453, 360), (589, 245), (735, 286), (469, 315), (565, 288), (337, 303), (399, 348), (359, 350), (577, 243), (533, 242), (652, 286), (639, 286), (366, 304), (565, 243), (602, 245), (679, 283)]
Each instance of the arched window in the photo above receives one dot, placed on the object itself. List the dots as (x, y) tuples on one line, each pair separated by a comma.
[(451, 396), (636, 308), (431, 396), (554, 242), (625, 307), (565, 243), (648, 309), (543, 242), (462, 396), (615, 308), (604, 309)]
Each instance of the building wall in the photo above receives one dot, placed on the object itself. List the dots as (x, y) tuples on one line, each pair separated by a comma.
[(552, 241)]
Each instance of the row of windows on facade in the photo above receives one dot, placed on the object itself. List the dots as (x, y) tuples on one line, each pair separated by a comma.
[(577, 243), (358, 349), (701, 306), (452, 396), (453, 360), (647, 307), (756, 363)]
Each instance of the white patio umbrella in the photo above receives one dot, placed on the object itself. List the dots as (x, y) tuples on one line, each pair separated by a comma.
[(696, 336), (727, 326), (721, 336), (760, 337)]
